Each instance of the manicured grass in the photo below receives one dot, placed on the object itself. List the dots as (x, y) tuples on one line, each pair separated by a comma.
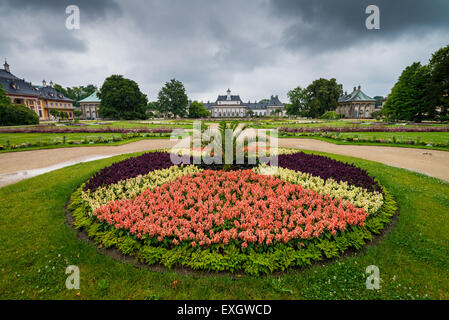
[(428, 137), (341, 123), (36, 245), (18, 138), (360, 143), (137, 124), (55, 140)]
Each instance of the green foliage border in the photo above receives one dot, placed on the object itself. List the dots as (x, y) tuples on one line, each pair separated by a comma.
[(253, 260)]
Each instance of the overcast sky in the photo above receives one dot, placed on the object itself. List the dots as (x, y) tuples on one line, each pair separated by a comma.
[(257, 48)]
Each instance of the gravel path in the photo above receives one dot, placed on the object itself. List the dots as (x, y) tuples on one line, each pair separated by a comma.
[(434, 163), (16, 166)]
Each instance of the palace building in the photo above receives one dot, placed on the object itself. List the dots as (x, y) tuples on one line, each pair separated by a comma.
[(356, 104), (231, 106), (40, 99), (89, 106)]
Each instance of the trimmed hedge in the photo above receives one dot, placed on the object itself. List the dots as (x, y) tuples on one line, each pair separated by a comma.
[(14, 115)]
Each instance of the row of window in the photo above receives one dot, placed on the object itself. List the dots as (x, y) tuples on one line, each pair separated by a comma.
[(66, 105), (229, 114), (52, 104)]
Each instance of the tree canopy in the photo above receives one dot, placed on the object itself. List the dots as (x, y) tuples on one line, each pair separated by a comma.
[(439, 69), (322, 96), (422, 91), (408, 98), (76, 93), (11, 114), (197, 110), (298, 101), (315, 100), (121, 98), (172, 98)]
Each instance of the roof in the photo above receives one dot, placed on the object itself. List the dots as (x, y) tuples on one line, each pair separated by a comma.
[(7, 75), (225, 98), (356, 95), (50, 93), (274, 101), (92, 98), (15, 86)]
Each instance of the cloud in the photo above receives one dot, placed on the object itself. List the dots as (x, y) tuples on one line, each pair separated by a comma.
[(332, 25), (90, 9), (257, 48)]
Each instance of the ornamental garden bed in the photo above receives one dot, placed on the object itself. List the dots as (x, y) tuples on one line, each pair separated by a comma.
[(311, 208)]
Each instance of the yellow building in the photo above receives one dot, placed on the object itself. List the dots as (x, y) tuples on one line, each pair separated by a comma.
[(40, 99)]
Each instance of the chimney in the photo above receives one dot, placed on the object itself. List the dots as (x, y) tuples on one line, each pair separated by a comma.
[(355, 88), (51, 83), (44, 83), (6, 66), (360, 87)]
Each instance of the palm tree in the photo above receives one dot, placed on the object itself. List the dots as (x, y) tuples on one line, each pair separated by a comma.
[(236, 129)]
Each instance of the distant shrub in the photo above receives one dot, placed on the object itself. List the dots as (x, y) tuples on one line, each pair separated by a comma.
[(13, 115), (330, 115), (377, 114)]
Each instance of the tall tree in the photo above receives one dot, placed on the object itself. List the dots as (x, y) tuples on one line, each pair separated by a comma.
[(197, 110), (121, 98), (298, 101), (322, 96), (172, 98), (409, 98), (439, 68)]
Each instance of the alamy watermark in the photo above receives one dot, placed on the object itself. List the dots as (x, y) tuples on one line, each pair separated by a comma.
[(372, 22), (373, 280), (73, 280), (72, 22)]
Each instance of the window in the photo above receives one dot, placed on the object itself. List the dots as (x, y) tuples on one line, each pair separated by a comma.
[(40, 113)]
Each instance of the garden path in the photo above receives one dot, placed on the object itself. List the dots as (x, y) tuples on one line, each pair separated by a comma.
[(16, 166)]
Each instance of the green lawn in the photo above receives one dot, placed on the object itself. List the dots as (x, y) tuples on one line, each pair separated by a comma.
[(428, 137), (335, 123), (18, 138), (138, 124), (36, 245)]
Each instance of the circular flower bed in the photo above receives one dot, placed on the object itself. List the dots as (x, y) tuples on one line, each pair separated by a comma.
[(310, 208)]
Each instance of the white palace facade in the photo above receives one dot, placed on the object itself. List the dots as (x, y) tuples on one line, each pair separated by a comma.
[(231, 106)]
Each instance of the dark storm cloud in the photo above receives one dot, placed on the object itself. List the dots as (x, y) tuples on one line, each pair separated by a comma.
[(257, 47), (61, 41), (90, 9), (330, 24)]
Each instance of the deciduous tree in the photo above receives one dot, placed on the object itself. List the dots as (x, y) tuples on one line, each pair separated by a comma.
[(121, 98)]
